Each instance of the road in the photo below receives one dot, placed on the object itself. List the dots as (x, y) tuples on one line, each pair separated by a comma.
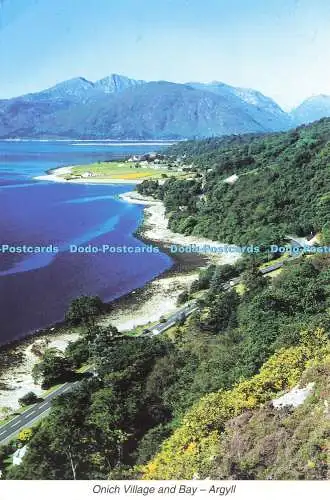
[(188, 309), (32, 414), (39, 410), (181, 313)]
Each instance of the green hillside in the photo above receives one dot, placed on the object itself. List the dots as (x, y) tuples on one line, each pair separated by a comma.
[(283, 186)]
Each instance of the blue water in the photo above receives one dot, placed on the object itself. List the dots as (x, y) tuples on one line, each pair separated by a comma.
[(36, 289)]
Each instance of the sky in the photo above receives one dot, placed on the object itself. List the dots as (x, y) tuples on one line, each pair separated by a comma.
[(279, 47)]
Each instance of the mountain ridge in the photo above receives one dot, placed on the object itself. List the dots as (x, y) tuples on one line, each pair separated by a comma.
[(119, 107)]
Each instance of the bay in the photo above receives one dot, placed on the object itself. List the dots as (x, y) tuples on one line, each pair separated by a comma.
[(35, 289)]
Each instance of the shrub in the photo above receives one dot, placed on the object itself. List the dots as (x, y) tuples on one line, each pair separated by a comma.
[(25, 435)]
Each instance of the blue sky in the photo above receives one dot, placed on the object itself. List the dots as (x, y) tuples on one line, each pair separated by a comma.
[(280, 47)]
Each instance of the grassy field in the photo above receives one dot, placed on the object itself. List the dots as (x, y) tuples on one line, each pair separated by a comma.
[(120, 171)]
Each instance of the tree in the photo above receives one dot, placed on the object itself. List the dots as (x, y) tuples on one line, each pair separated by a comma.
[(68, 432), (102, 344), (54, 368), (204, 279), (151, 442), (222, 275), (108, 416), (83, 310), (252, 278), (221, 312), (28, 399), (182, 298), (325, 235), (78, 352)]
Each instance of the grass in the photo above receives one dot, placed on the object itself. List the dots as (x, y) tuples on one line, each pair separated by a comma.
[(274, 261), (138, 330), (275, 273), (172, 332), (83, 368), (51, 389), (120, 171)]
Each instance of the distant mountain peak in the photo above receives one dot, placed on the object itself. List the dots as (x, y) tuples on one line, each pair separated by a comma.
[(317, 97), (75, 89), (116, 83), (261, 108), (77, 79), (311, 109)]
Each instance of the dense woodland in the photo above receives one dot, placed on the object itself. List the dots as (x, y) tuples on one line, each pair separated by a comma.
[(196, 402), (283, 186)]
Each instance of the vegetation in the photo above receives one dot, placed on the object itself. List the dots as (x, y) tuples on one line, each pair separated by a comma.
[(282, 186), (83, 310), (28, 399), (53, 369), (233, 355), (121, 171), (268, 443), (197, 402), (191, 449), (25, 435)]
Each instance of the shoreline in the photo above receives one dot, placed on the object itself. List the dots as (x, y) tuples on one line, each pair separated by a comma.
[(139, 307), (147, 303), (155, 229)]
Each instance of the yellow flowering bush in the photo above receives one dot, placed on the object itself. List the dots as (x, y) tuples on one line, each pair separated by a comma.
[(194, 441)]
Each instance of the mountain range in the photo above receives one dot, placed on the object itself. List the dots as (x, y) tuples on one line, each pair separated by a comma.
[(118, 107)]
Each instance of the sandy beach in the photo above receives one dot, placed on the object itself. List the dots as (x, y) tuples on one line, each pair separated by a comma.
[(55, 176), (155, 228), (17, 380)]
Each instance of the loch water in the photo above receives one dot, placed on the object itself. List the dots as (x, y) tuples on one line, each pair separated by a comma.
[(35, 289)]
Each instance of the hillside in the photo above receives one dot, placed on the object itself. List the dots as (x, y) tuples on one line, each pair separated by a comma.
[(119, 107), (235, 435), (282, 186)]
